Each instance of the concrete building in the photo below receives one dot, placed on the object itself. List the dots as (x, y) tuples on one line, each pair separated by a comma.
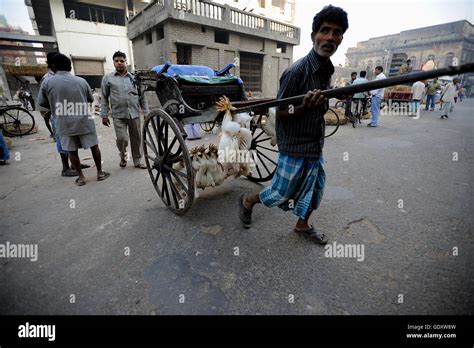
[(446, 44), (212, 34), (87, 31)]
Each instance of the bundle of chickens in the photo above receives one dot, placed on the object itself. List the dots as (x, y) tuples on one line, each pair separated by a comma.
[(231, 157)]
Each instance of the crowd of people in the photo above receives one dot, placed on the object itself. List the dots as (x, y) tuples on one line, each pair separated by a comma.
[(427, 91)]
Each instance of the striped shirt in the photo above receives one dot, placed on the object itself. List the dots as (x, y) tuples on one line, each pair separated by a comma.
[(303, 136)]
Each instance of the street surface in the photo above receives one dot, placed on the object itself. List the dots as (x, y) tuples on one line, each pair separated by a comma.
[(403, 190)]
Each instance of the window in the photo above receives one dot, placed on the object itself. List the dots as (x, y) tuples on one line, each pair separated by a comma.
[(160, 33), (92, 70), (148, 38), (280, 4), (203, 29), (221, 36), (449, 59), (262, 3), (94, 13), (251, 71), (281, 47), (184, 54)]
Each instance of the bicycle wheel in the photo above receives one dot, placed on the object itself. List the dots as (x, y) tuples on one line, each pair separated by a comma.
[(17, 121)]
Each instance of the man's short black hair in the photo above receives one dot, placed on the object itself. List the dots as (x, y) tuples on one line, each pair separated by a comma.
[(61, 62), (331, 14), (378, 67), (353, 73), (119, 54), (49, 58), (408, 61), (363, 73)]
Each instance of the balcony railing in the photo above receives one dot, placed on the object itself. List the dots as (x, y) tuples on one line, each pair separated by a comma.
[(199, 8), (246, 19), (211, 14)]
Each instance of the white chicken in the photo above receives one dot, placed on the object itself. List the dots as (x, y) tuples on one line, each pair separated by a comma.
[(235, 139), (269, 126), (216, 168)]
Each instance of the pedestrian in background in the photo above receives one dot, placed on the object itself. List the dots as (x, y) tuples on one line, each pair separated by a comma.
[(348, 109), (406, 68), (44, 112), (417, 94), (377, 97), (66, 171), (360, 98), (121, 91), (458, 92), (447, 97), (68, 96), (431, 90)]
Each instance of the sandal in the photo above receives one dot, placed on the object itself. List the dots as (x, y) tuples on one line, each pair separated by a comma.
[(245, 214), (69, 173), (80, 182), (123, 163), (102, 176), (313, 235)]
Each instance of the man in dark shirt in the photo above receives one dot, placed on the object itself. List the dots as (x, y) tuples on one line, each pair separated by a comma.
[(299, 179)]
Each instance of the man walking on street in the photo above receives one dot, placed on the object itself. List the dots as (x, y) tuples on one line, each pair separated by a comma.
[(68, 97), (447, 98), (417, 92), (299, 178), (431, 90), (119, 88), (377, 97)]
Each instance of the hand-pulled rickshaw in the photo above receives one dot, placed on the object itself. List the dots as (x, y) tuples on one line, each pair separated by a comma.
[(198, 94)]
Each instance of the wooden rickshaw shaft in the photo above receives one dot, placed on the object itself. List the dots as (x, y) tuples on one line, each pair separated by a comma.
[(362, 87)]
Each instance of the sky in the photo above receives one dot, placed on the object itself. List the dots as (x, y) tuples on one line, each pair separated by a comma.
[(374, 18), (367, 18), (16, 14)]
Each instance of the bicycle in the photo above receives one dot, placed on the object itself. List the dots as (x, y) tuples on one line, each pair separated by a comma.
[(358, 109), (25, 96), (15, 120)]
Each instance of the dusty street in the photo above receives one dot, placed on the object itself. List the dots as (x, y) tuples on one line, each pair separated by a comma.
[(403, 190)]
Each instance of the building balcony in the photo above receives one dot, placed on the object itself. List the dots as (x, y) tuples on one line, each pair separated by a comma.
[(207, 13)]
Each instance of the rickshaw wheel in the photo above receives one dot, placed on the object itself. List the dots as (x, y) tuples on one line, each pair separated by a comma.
[(168, 161), (334, 129), (262, 154), (207, 126)]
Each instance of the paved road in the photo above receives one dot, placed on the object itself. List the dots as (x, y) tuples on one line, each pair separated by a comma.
[(192, 259)]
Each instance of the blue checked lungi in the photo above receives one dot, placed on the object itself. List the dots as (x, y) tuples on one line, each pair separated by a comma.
[(298, 184)]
